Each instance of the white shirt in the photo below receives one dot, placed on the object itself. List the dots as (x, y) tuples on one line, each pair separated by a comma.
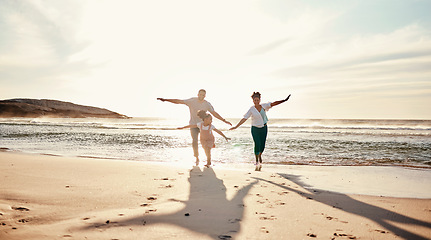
[(194, 106), (201, 126), (256, 117)]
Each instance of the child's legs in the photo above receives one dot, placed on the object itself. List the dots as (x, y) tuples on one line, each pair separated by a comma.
[(208, 153)]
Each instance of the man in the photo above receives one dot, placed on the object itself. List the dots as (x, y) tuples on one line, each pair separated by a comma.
[(195, 104)]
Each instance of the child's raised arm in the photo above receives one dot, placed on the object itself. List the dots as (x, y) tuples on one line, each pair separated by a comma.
[(220, 132)]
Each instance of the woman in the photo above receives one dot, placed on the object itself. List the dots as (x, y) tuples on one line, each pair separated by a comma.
[(259, 129)]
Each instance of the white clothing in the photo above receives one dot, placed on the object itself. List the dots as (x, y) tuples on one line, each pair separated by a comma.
[(256, 117), (194, 106), (201, 126)]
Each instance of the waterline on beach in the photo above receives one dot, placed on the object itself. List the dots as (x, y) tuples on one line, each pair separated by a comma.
[(290, 141)]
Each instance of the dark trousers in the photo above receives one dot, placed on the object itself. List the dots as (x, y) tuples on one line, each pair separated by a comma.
[(259, 138)]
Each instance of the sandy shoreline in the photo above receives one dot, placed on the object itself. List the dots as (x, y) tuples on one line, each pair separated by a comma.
[(49, 197)]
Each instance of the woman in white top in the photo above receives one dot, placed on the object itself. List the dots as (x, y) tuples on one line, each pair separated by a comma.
[(259, 129)]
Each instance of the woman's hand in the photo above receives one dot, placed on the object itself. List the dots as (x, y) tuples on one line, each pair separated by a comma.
[(279, 102), (239, 124)]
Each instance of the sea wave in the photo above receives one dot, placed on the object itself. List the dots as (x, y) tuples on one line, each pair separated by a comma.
[(311, 142)]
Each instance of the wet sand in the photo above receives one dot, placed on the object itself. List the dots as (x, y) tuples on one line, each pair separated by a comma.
[(52, 197)]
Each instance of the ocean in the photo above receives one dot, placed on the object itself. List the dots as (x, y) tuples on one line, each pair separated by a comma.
[(290, 141)]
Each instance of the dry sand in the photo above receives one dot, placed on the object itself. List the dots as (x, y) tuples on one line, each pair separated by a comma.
[(50, 197)]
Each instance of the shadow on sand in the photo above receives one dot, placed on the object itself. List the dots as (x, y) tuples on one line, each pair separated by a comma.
[(207, 211), (383, 217)]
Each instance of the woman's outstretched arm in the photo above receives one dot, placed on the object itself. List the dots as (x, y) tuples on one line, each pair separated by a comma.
[(279, 102), (239, 124)]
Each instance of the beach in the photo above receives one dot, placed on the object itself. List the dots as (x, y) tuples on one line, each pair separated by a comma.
[(57, 197)]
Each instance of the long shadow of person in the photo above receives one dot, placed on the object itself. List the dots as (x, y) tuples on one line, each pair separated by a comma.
[(207, 211), (383, 217)]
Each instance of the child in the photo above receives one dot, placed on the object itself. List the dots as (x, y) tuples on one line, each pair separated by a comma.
[(207, 137)]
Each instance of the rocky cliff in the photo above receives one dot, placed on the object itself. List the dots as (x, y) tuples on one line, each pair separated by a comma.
[(51, 108)]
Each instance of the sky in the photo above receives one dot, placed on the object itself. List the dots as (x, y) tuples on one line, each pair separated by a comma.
[(357, 59)]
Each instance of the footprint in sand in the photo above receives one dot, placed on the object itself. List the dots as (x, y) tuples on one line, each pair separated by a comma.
[(224, 237), (349, 236), (22, 209), (268, 218), (23, 220), (151, 210), (234, 220)]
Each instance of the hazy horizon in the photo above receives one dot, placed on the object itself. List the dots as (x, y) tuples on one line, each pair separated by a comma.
[(185, 115), (338, 59)]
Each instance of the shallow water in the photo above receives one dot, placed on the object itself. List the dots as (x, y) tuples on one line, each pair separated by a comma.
[(290, 141)]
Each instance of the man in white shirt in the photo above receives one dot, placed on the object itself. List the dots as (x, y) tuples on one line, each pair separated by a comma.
[(195, 104)]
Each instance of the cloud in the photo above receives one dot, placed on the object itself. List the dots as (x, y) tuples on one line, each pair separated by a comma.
[(91, 51), (371, 75), (269, 47), (39, 42), (406, 49)]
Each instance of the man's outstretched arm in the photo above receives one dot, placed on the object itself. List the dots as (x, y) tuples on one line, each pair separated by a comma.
[(175, 101), (216, 115)]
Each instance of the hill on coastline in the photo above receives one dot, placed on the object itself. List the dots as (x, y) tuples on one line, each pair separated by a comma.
[(51, 108)]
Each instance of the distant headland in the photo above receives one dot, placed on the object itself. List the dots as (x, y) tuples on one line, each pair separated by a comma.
[(34, 108)]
